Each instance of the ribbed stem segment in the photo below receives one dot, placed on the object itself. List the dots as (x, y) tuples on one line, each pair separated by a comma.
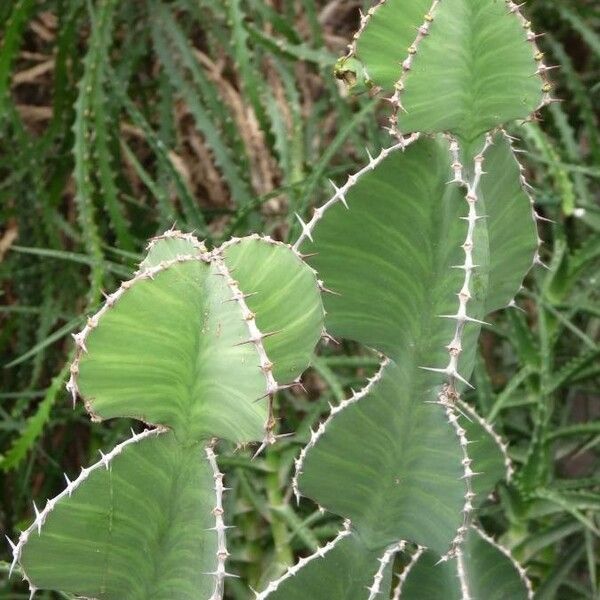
[(42, 515), (322, 428), (256, 337), (340, 193)]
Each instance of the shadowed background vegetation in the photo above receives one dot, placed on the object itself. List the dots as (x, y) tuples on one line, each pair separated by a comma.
[(120, 119)]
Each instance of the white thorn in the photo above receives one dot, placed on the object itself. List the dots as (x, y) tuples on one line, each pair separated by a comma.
[(13, 564), (305, 228), (38, 518), (435, 370)]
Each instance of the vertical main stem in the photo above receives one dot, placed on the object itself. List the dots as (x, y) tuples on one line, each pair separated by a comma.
[(283, 552)]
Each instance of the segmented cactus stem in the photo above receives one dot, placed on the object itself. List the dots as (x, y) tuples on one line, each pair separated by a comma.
[(399, 86), (519, 568), (322, 428), (42, 515), (293, 570), (449, 393), (364, 21), (256, 338), (340, 193), (110, 300)]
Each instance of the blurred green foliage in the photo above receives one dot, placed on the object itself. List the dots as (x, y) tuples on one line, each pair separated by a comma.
[(119, 119)]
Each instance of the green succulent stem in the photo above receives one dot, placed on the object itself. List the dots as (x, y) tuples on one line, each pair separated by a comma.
[(418, 247), (407, 258), (283, 556)]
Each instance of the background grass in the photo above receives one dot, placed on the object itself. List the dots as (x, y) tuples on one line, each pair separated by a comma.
[(119, 119)]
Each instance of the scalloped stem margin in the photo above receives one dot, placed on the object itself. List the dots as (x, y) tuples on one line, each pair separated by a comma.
[(293, 570), (527, 189), (269, 240), (340, 193), (214, 257), (41, 516), (255, 236), (92, 322), (173, 233), (538, 56), (522, 572), (469, 411), (316, 434), (364, 21), (422, 33)]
